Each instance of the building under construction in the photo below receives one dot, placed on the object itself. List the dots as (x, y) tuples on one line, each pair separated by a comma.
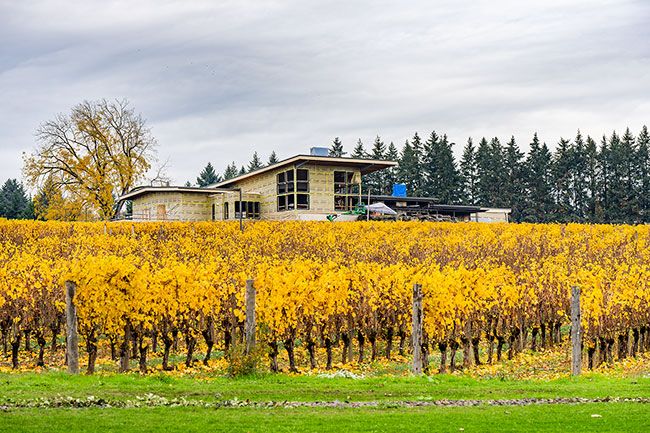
[(303, 187)]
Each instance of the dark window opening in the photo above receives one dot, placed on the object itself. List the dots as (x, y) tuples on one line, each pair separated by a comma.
[(302, 180), (344, 183), (282, 183), (346, 191), (290, 184), (250, 209), (292, 187), (302, 201)]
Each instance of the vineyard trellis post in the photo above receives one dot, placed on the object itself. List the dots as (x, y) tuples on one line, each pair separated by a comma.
[(416, 331), (576, 332), (72, 339), (250, 316)]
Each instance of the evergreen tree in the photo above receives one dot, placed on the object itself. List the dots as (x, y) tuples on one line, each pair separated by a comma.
[(378, 149), (359, 151), (561, 169), (592, 184), (469, 173), (451, 181), (391, 173), (337, 148), (579, 179), (491, 173), (431, 166), (255, 163), (408, 169), (628, 202), (231, 171), (605, 173), (43, 199), (514, 196), (376, 181), (14, 202), (617, 162), (189, 184), (539, 205), (417, 147), (273, 159), (485, 171), (643, 170), (208, 176), (242, 171), (440, 174)]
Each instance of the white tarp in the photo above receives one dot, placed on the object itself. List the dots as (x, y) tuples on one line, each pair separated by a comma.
[(381, 208)]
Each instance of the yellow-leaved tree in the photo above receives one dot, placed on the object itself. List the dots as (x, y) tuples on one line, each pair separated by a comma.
[(93, 155)]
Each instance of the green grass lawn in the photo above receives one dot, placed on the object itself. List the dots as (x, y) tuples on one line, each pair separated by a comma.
[(615, 417), (566, 417), (281, 387)]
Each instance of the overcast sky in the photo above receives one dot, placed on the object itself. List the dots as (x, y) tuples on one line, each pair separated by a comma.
[(218, 80)]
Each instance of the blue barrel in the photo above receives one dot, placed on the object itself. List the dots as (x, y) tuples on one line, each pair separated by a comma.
[(399, 190)]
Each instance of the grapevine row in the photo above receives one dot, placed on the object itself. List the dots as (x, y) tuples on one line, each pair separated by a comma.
[(156, 288)]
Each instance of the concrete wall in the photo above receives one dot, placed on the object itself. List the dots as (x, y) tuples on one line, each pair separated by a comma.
[(492, 215), (171, 206)]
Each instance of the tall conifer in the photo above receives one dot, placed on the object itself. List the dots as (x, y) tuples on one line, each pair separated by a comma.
[(514, 184), (643, 170), (208, 176), (336, 149), (14, 202), (408, 169), (255, 163), (469, 173)]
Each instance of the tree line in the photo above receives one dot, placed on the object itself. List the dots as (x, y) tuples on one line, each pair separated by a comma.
[(582, 180), (209, 175)]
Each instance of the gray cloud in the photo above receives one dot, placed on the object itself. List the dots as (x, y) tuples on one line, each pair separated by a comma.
[(218, 80)]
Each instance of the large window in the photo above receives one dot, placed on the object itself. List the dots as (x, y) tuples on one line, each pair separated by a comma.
[(286, 183), (293, 189), (346, 190), (250, 209), (302, 180), (344, 183)]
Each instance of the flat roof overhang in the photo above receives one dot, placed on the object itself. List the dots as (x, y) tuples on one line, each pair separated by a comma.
[(365, 166), (141, 190)]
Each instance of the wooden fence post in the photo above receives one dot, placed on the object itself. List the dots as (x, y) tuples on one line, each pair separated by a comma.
[(250, 316), (72, 339), (576, 332), (416, 330)]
